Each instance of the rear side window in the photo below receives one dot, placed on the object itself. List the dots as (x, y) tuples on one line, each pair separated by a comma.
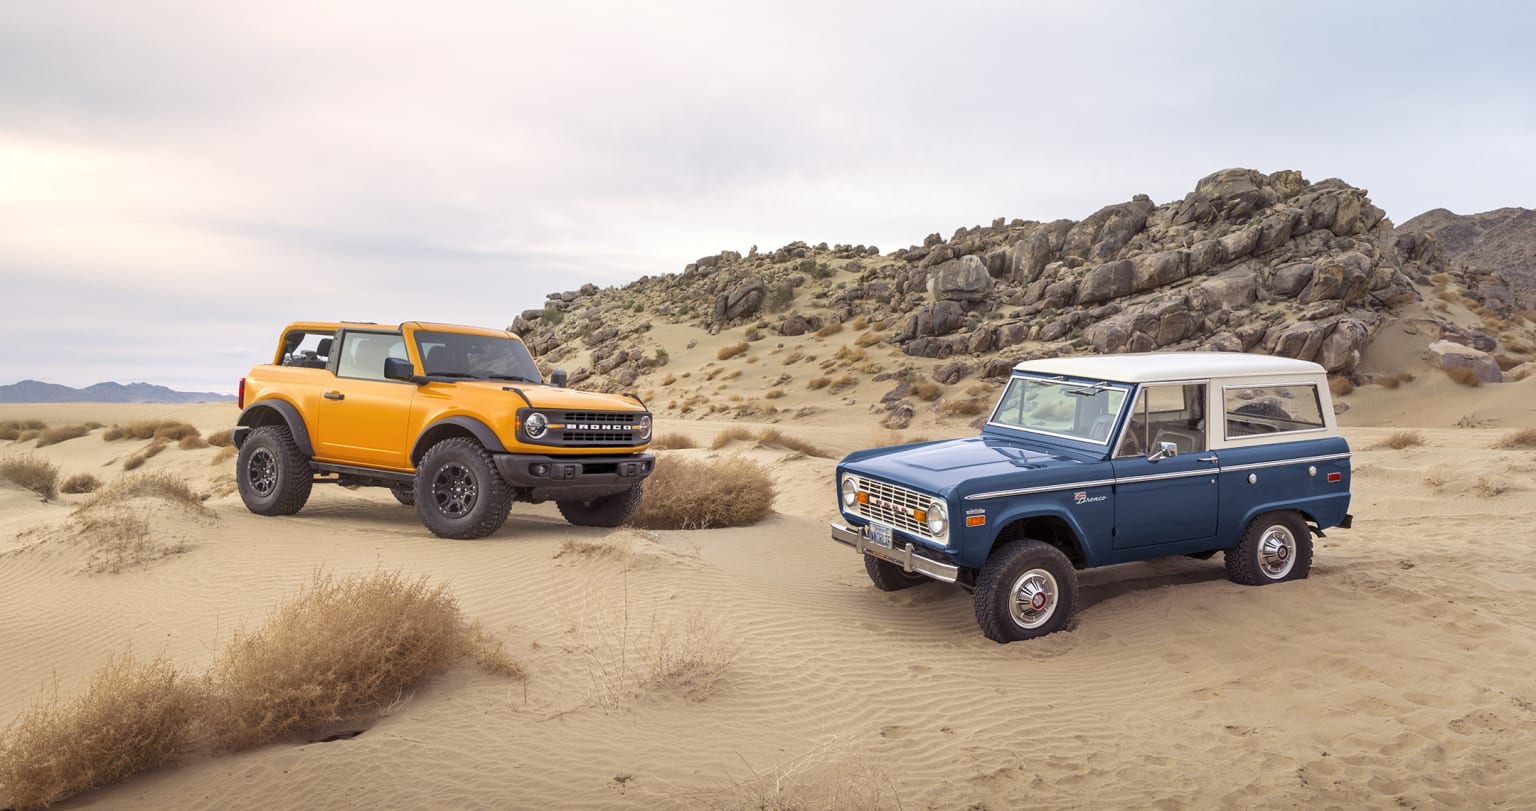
[(305, 348), (1259, 410)]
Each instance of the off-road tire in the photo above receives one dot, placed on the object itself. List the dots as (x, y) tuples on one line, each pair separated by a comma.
[(604, 511), (1276, 547), (459, 492), (1006, 587), (404, 493), (887, 576), (272, 473)]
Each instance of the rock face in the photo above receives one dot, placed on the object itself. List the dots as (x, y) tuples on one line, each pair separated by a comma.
[(1244, 262), (1494, 251), (1451, 355)]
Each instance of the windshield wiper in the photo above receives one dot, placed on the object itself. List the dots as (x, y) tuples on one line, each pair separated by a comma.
[(465, 375), (513, 378), (1092, 390)]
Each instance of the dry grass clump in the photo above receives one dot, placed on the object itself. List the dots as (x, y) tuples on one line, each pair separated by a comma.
[(926, 391), (817, 383), (192, 443), (1523, 438), (221, 439), (491, 653), (130, 718), (673, 442), (163, 486), (1340, 386), (80, 483), (831, 329), (968, 407), (225, 454), (735, 433), (12, 429), (32, 472), (342, 650), (732, 350), (1464, 376), (137, 460), (704, 494), (1403, 439), (773, 394), (817, 779), (168, 430), (61, 433), (868, 339), (862, 322), (774, 438), (1393, 381)]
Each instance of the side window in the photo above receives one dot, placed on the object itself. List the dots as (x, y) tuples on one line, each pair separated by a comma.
[(307, 349), (363, 354), (1256, 410), (1166, 414)]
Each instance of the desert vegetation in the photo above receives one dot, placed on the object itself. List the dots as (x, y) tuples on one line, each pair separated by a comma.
[(1340, 385), (673, 441), (768, 438), (1464, 376), (1403, 439), (61, 433), (33, 473), (343, 650), (80, 483), (732, 350), (1521, 438), (688, 493), (221, 439), (13, 429), (165, 430)]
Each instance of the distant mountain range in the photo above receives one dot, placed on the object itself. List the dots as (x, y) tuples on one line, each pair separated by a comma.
[(36, 391)]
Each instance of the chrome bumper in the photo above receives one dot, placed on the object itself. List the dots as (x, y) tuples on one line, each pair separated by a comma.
[(906, 558)]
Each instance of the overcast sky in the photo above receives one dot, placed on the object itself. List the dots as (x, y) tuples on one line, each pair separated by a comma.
[(179, 179)]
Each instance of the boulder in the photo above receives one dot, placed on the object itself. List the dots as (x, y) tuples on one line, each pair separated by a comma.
[(1234, 289), (900, 416), (1345, 277), (1107, 281), (1239, 243), (963, 279), (1100, 237), (742, 302), (936, 319), (1288, 281), (1152, 270), (1451, 355), (952, 372), (1340, 351)]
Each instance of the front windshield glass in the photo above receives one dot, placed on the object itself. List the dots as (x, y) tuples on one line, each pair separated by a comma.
[(1073, 408), (452, 354)]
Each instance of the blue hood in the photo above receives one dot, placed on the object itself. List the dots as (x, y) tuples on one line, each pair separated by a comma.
[(981, 463)]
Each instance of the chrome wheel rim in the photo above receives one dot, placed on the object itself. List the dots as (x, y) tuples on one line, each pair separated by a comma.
[(454, 490), (1032, 600), (1277, 552), (261, 472)]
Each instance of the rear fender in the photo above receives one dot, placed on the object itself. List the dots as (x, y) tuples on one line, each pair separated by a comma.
[(273, 412)]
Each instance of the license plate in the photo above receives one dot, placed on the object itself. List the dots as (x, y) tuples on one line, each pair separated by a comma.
[(880, 536)]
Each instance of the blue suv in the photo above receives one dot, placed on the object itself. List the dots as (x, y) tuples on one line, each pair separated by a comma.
[(1098, 460)]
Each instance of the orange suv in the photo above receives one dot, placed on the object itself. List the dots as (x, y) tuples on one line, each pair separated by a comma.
[(455, 420)]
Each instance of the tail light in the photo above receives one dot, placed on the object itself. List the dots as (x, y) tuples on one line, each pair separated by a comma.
[(240, 401)]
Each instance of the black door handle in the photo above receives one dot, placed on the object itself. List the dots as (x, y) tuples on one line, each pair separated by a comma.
[(335, 395)]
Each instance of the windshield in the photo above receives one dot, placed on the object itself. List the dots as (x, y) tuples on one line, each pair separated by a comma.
[(1073, 408), (452, 354)]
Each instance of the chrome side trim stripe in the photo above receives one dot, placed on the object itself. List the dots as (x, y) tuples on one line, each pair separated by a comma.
[(1256, 465), (1161, 476), (1049, 488)]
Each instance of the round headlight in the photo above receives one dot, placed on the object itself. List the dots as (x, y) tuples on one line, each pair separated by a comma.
[(850, 491), (536, 426), (643, 431), (938, 519)]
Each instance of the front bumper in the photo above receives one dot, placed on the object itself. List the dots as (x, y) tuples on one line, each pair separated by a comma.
[(573, 477), (906, 557)]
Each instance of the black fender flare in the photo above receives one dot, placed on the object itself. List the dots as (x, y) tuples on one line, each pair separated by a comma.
[(433, 433), (270, 412)]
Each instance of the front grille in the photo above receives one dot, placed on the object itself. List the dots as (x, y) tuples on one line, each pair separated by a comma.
[(893, 506), (593, 429)]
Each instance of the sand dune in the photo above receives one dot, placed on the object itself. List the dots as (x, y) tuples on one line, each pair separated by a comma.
[(1398, 674)]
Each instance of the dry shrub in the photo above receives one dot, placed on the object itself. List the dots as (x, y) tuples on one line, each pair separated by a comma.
[(192, 443), (831, 329), (168, 430), (1340, 386), (862, 322), (819, 383), (704, 494), (137, 460), (32, 472), (225, 454), (28, 436), (774, 438), (673, 442), (342, 650), (868, 339), (130, 718), (163, 486), (61, 433), (221, 439), (80, 483), (968, 407), (592, 550), (793, 358), (732, 350), (773, 394), (1464, 376), (729, 435), (927, 391), (669, 379), (1403, 439), (829, 776), (12, 429), (1523, 438), (491, 653), (1393, 381)]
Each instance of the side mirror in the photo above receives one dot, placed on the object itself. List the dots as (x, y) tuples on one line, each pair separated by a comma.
[(1165, 450), (399, 369), (558, 377)]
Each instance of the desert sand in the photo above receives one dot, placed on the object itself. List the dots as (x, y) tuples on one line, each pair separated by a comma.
[(1398, 674)]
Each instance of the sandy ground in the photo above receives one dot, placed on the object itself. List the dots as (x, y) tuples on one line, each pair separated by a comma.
[(1398, 674)]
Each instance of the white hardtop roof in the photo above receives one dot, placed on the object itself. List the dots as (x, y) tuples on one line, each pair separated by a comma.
[(1151, 367)]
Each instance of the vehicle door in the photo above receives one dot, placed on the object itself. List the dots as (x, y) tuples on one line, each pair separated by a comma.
[(363, 415), (1163, 498)]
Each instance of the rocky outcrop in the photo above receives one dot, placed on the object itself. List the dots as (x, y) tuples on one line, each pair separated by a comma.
[(1492, 253)]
